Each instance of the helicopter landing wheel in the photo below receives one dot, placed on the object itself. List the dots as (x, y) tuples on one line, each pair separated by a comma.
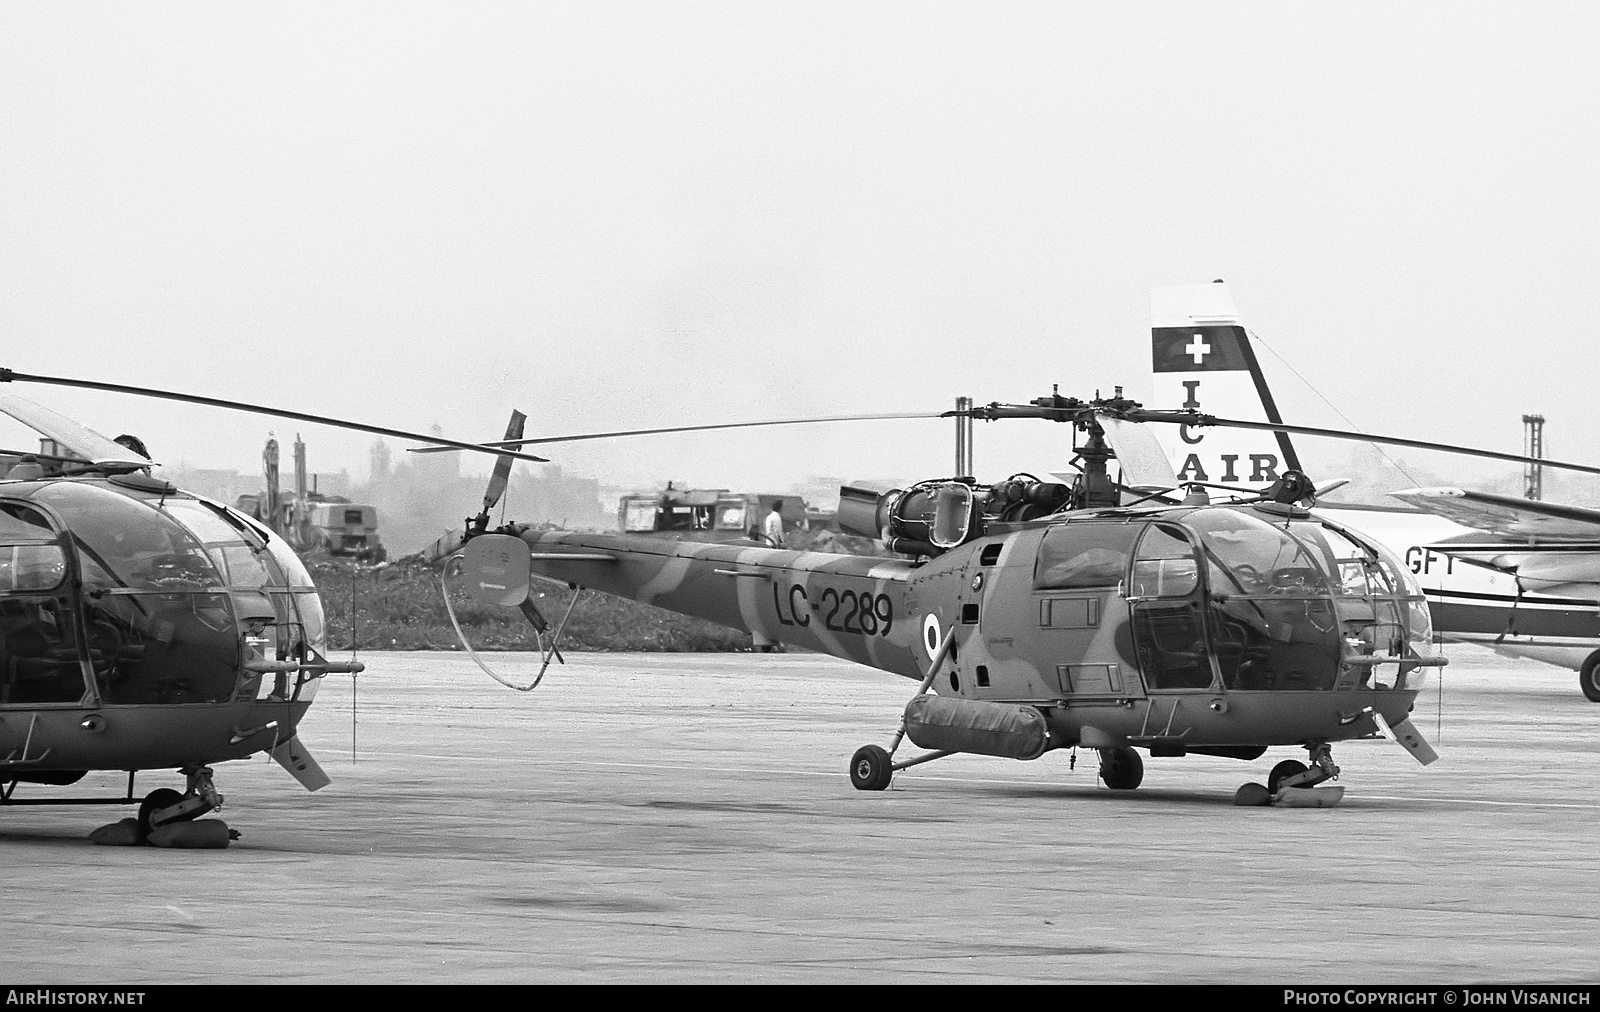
[(1121, 768), (871, 769), (1589, 677), (1282, 772), (155, 801)]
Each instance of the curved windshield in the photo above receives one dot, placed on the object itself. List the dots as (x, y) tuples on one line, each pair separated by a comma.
[(272, 592), (126, 545), (1299, 603), (1247, 555), (1380, 604), (157, 616), (1271, 616), (182, 597)]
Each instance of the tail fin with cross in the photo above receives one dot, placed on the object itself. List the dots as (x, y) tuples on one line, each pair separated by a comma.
[(1202, 359)]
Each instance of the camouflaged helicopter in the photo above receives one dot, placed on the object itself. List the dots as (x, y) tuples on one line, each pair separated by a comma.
[(1038, 616), (144, 628)]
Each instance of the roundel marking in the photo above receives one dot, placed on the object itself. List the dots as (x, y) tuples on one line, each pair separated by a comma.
[(932, 635)]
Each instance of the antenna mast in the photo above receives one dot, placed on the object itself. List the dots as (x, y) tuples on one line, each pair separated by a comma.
[(1533, 446)]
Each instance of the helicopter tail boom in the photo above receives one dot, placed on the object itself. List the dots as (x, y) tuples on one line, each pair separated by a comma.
[(852, 607)]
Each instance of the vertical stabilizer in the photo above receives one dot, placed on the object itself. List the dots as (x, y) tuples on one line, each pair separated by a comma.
[(1202, 360)]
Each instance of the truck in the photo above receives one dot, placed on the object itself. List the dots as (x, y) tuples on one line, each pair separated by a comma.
[(327, 523)]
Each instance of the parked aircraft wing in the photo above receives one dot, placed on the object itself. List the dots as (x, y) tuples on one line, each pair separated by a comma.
[(1549, 547), (80, 439), (1513, 519)]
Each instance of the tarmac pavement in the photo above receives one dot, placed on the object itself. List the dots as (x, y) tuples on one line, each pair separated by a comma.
[(687, 818)]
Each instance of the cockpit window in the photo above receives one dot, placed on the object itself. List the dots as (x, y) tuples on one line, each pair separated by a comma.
[(1271, 614), (1165, 565), (125, 543), (22, 523), (31, 559), (1381, 605), (31, 569), (177, 599), (1250, 556), (272, 593), (1084, 555)]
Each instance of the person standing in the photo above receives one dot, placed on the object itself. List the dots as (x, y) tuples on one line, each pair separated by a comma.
[(772, 528)]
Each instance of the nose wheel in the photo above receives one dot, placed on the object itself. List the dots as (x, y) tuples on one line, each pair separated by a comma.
[(164, 806)]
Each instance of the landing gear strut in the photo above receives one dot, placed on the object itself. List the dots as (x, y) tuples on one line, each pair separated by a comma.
[(873, 766), (164, 806)]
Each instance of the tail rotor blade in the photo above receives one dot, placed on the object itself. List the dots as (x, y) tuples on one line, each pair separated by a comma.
[(501, 475)]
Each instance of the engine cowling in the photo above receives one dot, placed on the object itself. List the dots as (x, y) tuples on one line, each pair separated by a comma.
[(932, 517)]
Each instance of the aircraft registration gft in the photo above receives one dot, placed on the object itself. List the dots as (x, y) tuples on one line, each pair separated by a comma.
[(1519, 576)]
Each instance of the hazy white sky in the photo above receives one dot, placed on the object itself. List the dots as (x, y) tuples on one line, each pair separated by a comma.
[(617, 215)]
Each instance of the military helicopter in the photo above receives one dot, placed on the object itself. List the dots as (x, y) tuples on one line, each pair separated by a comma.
[(142, 627), (1050, 616), (1035, 616)]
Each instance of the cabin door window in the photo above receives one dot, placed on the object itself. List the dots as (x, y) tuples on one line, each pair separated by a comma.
[(39, 656), (1168, 620)]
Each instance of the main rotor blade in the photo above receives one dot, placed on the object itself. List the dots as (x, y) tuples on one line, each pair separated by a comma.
[(8, 376), (80, 439), (689, 428), (1195, 418)]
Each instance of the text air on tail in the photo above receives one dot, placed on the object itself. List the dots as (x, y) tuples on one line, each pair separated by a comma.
[(1202, 360)]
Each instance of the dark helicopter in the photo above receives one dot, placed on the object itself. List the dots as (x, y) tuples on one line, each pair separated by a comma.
[(142, 627)]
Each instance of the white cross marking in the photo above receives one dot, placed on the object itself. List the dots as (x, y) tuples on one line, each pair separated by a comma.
[(1198, 350)]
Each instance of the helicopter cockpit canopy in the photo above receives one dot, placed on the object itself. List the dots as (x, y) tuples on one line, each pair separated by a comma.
[(175, 596), (1278, 602)]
